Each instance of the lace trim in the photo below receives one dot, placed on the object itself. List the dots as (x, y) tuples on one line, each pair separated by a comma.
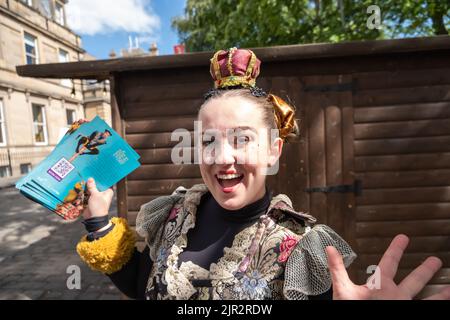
[(307, 254), (178, 284), (306, 272)]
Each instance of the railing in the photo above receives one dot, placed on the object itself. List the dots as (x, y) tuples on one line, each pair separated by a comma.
[(15, 156)]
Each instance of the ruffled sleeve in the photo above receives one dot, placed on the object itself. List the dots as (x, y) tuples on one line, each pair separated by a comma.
[(306, 272), (152, 217)]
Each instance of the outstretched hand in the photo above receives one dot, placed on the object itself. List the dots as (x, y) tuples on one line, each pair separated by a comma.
[(408, 288)]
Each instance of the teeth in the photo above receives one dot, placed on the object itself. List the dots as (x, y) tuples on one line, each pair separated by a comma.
[(228, 176)]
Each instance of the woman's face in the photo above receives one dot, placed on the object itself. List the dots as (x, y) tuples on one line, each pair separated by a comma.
[(236, 151)]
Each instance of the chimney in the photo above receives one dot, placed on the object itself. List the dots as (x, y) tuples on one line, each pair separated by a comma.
[(153, 49)]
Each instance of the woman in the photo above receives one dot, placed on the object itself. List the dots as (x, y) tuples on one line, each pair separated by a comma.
[(229, 238)]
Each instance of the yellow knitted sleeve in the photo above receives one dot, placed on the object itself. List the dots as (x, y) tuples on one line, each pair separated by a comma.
[(111, 252)]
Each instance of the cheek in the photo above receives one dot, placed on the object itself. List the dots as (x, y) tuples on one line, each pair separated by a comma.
[(257, 167), (255, 154), (208, 156), (205, 171), (255, 171), (262, 152)]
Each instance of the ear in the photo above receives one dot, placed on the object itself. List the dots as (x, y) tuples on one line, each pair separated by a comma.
[(275, 151)]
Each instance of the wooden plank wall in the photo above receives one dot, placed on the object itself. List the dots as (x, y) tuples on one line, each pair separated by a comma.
[(402, 153), (153, 107), (392, 131), (291, 178)]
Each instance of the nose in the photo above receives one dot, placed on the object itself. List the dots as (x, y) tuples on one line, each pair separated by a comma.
[(225, 154)]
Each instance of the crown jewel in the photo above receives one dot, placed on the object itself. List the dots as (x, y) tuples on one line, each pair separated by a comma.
[(234, 67)]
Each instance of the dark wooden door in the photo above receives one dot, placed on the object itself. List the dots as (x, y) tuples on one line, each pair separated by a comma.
[(392, 135), (324, 155), (327, 111)]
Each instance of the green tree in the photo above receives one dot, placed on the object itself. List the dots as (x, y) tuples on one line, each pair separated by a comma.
[(215, 24)]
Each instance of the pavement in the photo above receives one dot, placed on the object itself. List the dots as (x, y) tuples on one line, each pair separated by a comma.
[(38, 259)]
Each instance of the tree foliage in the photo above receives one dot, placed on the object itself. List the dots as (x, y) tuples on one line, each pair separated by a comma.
[(215, 24)]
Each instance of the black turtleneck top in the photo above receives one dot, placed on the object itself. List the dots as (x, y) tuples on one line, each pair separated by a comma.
[(215, 228)]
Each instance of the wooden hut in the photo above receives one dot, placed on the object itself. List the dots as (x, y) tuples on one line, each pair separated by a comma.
[(374, 160)]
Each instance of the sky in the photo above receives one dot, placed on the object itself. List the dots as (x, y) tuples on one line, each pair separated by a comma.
[(105, 25)]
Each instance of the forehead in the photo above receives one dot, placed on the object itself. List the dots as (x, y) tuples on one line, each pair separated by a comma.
[(231, 112)]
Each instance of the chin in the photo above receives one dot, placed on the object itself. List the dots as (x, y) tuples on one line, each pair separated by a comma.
[(231, 204)]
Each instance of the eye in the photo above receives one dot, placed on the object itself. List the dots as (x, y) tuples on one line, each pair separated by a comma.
[(241, 140), (206, 141)]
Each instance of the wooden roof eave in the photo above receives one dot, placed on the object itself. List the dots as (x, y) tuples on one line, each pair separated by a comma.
[(104, 69)]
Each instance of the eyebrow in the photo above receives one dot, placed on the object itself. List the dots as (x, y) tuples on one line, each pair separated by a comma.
[(240, 127), (247, 128)]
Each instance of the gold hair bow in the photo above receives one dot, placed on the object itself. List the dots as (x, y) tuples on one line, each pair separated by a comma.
[(284, 115)]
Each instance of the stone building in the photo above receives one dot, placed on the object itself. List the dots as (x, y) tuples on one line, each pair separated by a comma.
[(34, 113)]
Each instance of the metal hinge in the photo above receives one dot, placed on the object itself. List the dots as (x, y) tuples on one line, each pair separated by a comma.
[(356, 188)]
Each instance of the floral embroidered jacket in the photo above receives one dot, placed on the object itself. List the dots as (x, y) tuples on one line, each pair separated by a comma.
[(281, 256)]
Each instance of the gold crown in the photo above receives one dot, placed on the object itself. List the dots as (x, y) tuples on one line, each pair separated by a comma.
[(234, 67)]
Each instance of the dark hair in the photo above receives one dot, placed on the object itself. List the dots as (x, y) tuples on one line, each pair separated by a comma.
[(255, 91)]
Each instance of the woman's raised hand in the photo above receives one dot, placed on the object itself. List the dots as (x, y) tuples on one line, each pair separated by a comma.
[(384, 287), (99, 202)]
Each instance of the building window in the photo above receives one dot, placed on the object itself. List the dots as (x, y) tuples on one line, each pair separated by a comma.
[(45, 8), (2, 125), (39, 124), (64, 57), (59, 13), (27, 2), (91, 82), (25, 168), (31, 49), (5, 171), (70, 114)]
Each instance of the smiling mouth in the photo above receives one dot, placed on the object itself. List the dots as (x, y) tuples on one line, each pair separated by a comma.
[(229, 181)]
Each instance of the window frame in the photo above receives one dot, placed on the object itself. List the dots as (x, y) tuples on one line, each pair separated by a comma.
[(67, 55), (36, 48), (74, 113), (64, 82), (46, 8), (29, 166), (8, 171), (2, 125), (62, 18), (44, 125), (27, 2)]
